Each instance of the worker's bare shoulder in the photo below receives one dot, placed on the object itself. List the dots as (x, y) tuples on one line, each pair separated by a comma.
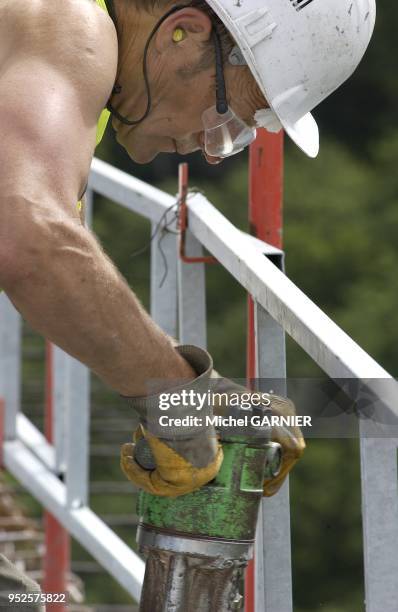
[(58, 61), (74, 37)]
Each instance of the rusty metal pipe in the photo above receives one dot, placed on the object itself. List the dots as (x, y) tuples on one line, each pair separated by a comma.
[(177, 582)]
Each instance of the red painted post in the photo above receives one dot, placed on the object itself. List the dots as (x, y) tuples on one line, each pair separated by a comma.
[(266, 187), (265, 218), (57, 541), (183, 176)]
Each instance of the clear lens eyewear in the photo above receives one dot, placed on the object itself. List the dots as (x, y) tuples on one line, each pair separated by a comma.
[(225, 134)]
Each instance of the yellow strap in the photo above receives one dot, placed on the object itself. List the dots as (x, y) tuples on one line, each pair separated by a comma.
[(101, 125), (102, 4)]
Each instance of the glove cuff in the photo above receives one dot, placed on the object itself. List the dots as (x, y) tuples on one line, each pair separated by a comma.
[(148, 407)]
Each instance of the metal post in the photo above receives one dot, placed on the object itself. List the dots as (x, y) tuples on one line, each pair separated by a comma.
[(57, 540), (379, 518), (76, 390), (164, 277), (272, 571), (268, 580), (89, 207), (78, 423), (58, 401), (10, 364), (60, 407), (191, 287)]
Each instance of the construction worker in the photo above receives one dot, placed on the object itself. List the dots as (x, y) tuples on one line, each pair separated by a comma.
[(201, 75)]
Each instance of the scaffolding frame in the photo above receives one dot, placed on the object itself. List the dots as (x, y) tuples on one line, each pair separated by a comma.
[(56, 474)]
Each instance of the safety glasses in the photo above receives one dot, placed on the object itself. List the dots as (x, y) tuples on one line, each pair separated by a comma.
[(224, 133)]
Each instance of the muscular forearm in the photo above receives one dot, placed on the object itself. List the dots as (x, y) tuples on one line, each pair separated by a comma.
[(73, 294)]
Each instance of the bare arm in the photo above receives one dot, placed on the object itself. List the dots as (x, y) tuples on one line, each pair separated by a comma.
[(51, 267)]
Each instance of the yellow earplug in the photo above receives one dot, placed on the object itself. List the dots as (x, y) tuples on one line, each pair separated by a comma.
[(178, 35)]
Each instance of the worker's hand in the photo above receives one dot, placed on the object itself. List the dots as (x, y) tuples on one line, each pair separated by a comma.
[(290, 438), (184, 459), (171, 460), (171, 474)]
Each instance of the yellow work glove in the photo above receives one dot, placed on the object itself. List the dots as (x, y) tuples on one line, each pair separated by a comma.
[(173, 475), (181, 459)]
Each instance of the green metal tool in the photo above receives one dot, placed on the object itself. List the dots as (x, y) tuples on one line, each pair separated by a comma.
[(198, 545)]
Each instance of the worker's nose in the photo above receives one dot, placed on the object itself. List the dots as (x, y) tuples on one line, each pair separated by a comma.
[(209, 158), (212, 160)]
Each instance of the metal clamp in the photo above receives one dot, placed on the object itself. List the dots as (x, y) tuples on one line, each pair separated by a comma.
[(183, 218)]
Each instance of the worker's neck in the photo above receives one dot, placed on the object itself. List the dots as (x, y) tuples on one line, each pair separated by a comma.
[(133, 27)]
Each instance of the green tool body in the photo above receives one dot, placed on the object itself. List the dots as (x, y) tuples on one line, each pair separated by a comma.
[(224, 508), (199, 544)]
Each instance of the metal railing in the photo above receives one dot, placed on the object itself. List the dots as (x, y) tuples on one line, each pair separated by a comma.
[(178, 305)]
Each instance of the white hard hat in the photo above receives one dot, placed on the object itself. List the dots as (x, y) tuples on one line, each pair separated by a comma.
[(299, 51)]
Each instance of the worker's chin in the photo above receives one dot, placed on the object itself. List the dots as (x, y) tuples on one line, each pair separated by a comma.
[(136, 148), (142, 157)]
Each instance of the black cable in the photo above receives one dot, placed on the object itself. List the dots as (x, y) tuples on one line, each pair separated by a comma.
[(165, 229), (221, 95), (156, 230)]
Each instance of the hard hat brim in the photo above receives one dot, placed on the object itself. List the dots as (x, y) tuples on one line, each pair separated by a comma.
[(304, 133)]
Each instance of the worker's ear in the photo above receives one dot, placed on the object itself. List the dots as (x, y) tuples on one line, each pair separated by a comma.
[(184, 29)]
